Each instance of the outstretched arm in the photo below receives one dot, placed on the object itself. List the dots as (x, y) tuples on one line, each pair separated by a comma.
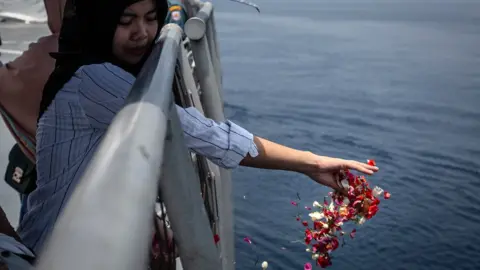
[(323, 170)]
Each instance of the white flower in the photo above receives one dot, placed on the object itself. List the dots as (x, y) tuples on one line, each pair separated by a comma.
[(264, 265), (315, 256), (325, 225), (316, 204), (331, 207), (344, 184), (316, 216), (307, 250), (361, 220), (377, 191)]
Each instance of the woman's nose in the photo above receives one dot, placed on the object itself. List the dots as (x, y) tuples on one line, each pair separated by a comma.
[(140, 32)]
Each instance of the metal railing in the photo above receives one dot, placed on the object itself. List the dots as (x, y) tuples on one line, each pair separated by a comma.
[(107, 222)]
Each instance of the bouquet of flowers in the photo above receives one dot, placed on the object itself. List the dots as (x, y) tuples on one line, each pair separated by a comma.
[(358, 203)]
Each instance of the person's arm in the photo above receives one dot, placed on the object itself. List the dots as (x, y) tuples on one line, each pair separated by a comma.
[(279, 157), (104, 88), (102, 92), (225, 143), (324, 170)]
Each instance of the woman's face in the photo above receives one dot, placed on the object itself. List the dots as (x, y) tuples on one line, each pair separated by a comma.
[(135, 32)]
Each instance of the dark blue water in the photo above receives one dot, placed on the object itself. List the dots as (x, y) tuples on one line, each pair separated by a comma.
[(398, 81)]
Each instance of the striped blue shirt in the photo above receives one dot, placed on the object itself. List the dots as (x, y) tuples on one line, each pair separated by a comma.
[(71, 129)]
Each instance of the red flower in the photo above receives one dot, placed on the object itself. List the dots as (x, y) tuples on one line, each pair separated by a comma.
[(294, 203), (305, 223), (308, 236), (317, 225), (333, 244), (324, 261), (216, 238), (371, 162), (372, 210), (386, 195)]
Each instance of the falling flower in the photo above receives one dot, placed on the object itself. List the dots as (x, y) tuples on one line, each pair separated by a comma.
[(324, 261), (352, 234), (361, 203), (308, 208), (246, 239), (307, 266), (216, 238), (343, 211), (377, 191), (371, 162), (361, 220), (294, 203), (264, 265), (316, 216)]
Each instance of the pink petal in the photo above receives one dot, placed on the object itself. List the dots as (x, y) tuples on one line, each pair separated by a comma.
[(294, 203), (246, 239), (308, 208), (307, 266), (352, 234)]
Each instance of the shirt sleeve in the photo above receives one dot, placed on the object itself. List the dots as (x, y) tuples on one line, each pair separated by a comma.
[(225, 144), (102, 93)]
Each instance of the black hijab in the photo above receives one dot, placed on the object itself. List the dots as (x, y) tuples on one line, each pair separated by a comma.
[(86, 37)]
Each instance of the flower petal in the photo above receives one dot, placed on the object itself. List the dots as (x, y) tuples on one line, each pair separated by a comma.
[(246, 239), (352, 234), (377, 191), (386, 195)]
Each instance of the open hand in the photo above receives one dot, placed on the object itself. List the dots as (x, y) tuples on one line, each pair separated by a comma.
[(330, 171)]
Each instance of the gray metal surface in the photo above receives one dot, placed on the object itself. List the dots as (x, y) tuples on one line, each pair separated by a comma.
[(211, 98), (180, 187)]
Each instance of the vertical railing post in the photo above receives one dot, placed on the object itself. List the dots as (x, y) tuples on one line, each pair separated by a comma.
[(180, 189), (213, 49), (205, 69)]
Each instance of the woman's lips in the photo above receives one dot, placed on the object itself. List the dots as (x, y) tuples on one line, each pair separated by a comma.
[(136, 51)]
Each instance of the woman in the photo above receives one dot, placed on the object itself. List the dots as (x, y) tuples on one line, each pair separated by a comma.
[(89, 86)]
